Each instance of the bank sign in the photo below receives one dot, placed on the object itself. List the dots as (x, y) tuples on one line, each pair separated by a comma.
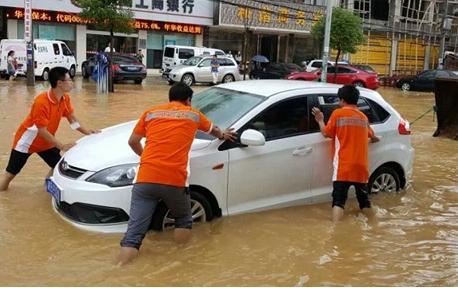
[(269, 15)]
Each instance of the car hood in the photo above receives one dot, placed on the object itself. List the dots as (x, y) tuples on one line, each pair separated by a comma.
[(181, 68), (110, 148)]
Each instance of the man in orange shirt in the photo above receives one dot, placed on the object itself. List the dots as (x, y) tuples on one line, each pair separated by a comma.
[(169, 130), (36, 133), (349, 129)]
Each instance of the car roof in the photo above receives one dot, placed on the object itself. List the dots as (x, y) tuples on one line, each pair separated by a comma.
[(268, 88)]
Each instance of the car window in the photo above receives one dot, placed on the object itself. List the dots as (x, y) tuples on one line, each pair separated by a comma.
[(56, 49), (381, 113), (427, 75), (229, 62), (192, 61), (185, 53), (285, 119), (442, 74), (316, 64), (205, 63), (328, 103), (224, 107), (124, 59), (219, 53), (65, 50), (168, 52)]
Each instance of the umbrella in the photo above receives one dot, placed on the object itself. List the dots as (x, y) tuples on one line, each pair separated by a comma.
[(260, 58)]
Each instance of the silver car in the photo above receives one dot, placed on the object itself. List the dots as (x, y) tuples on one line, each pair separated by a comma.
[(198, 70)]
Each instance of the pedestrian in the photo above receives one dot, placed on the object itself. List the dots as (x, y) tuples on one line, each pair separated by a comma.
[(12, 65), (36, 133), (163, 174), (349, 129), (214, 69), (108, 48), (229, 54), (140, 55), (238, 57)]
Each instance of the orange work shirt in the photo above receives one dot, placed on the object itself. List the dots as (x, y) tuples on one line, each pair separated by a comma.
[(349, 129), (47, 112), (169, 130)]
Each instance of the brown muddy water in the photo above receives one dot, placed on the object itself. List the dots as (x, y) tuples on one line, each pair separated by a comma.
[(414, 240)]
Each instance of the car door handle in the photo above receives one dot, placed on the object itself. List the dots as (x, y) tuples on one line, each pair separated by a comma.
[(301, 151)]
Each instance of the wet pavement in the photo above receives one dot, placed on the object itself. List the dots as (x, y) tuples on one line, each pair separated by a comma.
[(414, 240)]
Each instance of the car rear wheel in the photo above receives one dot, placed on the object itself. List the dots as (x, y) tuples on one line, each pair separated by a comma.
[(384, 179), (200, 209), (359, 84), (405, 87), (228, 78), (187, 79), (138, 81), (45, 75)]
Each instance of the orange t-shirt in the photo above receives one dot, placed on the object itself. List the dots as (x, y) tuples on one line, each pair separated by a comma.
[(46, 112), (169, 130), (349, 129)]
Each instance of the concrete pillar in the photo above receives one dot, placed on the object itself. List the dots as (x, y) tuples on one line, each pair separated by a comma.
[(427, 57), (393, 20), (142, 38), (199, 40), (431, 11), (394, 55), (12, 29), (81, 40)]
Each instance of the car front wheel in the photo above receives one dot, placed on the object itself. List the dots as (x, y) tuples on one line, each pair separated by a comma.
[(384, 179), (84, 71), (187, 79), (200, 210), (405, 87)]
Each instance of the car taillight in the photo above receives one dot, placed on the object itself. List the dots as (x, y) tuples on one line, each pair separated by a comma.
[(404, 127), (115, 67)]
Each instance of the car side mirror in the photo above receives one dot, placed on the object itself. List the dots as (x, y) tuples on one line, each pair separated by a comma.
[(251, 137)]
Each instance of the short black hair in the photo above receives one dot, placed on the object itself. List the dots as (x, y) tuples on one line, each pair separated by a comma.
[(10, 53), (56, 74), (180, 92), (349, 93)]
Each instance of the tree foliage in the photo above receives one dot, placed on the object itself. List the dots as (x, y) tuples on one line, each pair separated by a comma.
[(346, 31), (111, 15)]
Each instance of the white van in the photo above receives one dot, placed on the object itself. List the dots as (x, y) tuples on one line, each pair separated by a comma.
[(175, 55), (47, 55)]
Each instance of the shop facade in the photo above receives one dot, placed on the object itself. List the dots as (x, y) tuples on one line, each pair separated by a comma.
[(281, 32), (157, 23)]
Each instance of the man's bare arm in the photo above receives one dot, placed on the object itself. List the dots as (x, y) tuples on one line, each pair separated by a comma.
[(75, 124), (135, 145), (227, 134), (44, 133)]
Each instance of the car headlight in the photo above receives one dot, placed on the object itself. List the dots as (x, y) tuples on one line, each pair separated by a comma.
[(117, 176)]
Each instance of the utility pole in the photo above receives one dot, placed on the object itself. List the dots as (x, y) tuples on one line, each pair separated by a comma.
[(443, 34), (327, 36), (28, 37)]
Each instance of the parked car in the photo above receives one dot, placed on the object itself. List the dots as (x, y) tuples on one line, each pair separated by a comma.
[(317, 64), (48, 54), (424, 81), (345, 75), (125, 67), (175, 55), (274, 70), (280, 159), (198, 70)]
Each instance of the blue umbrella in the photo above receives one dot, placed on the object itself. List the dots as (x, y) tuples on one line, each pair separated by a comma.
[(260, 58)]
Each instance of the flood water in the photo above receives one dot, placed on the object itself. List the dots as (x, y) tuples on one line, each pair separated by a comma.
[(414, 240)]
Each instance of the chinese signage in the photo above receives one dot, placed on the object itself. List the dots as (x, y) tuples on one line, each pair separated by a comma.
[(70, 18), (269, 14), (28, 20)]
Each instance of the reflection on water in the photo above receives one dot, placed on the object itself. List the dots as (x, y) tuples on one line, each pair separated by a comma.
[(414, 240)]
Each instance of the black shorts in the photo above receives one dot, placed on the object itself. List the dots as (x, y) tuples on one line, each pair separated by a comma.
[(340, 193), (18, 159)]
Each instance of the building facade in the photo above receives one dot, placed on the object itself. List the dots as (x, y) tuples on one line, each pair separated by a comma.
[(158, 23)]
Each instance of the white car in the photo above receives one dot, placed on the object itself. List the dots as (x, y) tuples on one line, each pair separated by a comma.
[(281, 160), (318, 64)]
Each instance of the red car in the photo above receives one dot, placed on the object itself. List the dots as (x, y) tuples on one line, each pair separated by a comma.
[(346, 74)]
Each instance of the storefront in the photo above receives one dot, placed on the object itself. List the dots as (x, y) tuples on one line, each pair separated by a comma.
[(158, 23), (282, 33)]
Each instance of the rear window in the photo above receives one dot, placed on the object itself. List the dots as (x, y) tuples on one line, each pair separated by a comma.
[(124, 59), (169, 52), (316, 64), (185, 53), (219, 53)]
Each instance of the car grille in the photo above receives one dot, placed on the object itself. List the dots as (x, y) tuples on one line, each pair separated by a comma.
[(92, 214), (70, 171)]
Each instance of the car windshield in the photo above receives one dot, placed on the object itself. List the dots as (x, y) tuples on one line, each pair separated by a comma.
[(192, 61), (224, 107)]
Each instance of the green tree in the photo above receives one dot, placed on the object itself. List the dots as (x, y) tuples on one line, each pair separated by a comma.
[(110, 15), (346, 32)]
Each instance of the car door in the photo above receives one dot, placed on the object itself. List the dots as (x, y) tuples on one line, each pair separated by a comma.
[(57, 55), (203, 71), (425, 81), (345, 75), (277, 173), (67, 56)]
